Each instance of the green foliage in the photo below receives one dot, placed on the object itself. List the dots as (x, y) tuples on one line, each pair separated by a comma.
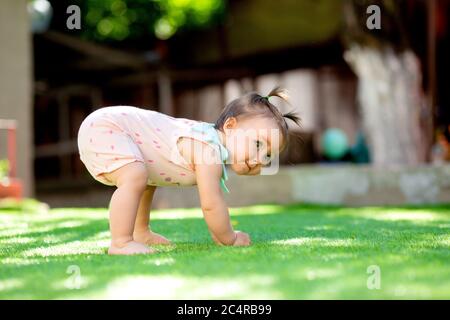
[(117, 20)]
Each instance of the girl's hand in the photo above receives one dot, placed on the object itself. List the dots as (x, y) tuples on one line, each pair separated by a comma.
[(242, 239)]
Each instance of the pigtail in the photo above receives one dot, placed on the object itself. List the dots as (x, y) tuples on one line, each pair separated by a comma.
[(280, 93), (293, 116), (284, 95)]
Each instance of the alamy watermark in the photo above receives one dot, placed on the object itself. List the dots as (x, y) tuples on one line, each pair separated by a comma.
[(374, 278), (73, 282), (374, 20), (73, 22)]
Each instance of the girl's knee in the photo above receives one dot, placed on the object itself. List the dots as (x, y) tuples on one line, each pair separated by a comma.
[(133, 174)]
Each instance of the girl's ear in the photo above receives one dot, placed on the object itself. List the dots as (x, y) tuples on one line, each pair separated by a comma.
[(230, 123)]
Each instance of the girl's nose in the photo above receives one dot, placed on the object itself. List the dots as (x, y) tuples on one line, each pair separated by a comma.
[(253, 163), (258, 161)]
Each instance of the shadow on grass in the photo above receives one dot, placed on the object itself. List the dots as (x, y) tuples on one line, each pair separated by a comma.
[(298, 252)]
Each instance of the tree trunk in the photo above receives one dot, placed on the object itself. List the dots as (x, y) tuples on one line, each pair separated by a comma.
[(391, 101)]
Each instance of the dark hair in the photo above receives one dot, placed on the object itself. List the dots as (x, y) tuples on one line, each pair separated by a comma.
[(252, 104)]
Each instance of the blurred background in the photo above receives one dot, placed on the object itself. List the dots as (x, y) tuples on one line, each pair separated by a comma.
[(369, 82)]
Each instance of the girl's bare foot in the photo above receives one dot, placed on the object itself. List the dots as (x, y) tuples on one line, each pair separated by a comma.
[(150, 238), (130, 248)]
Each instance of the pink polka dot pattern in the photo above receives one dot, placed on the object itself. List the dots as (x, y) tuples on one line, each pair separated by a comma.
[(120, 135)]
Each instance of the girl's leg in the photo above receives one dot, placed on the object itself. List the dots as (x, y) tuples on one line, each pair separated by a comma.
[(142, 232), (131, 181)]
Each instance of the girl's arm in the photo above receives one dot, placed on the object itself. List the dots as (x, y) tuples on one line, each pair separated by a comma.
[(208, 169), (213, 204)]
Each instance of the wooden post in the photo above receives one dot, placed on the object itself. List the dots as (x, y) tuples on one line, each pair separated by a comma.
[(165, 92), (16, 65), (431, 65), (64, 133)]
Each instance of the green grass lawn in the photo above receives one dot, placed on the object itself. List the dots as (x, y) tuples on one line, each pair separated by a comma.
[(299, 252)]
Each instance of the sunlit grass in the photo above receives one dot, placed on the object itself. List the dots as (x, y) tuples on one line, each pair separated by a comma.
[(298, 252)]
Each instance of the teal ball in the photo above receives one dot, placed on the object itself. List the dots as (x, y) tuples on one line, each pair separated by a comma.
[(334, 143)]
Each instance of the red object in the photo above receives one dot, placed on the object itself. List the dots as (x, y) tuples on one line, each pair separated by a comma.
[(11, 187), (12, 152)]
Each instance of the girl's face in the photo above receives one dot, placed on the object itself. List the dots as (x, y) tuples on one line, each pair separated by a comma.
[(251, 143)]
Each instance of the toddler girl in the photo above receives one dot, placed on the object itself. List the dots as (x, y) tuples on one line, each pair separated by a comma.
[(137, 150)]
